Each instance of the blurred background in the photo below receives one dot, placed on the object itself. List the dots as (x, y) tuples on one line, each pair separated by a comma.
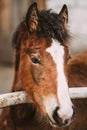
[(13, 11)]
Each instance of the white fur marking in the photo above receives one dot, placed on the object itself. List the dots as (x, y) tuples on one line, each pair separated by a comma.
[(57, 52)]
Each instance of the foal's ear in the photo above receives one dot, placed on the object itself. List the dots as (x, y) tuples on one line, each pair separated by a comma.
[(64, 14), (32, 18)]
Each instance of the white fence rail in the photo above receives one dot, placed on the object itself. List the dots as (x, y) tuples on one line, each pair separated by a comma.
[(15, 98)]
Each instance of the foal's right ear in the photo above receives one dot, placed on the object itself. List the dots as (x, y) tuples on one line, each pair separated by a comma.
[(32, 18)]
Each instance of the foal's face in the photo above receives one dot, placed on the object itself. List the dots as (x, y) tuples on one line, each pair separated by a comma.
[(44, 74), (45, 79)]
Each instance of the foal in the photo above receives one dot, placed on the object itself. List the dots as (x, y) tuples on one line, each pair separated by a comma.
[(41, 69)]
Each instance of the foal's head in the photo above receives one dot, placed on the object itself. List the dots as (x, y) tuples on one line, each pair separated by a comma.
[(42, 45)]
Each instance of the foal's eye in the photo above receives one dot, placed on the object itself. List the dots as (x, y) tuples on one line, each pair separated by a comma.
[(35, 60)]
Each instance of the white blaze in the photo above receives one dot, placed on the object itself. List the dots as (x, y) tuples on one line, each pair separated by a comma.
[(57, 52)]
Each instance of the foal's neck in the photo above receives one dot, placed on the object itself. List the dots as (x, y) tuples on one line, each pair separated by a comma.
[(26, 116), (22, 114), (77, 70)]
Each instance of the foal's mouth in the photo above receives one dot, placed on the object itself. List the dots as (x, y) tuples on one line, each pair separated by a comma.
[(56, 125), (52, 123)]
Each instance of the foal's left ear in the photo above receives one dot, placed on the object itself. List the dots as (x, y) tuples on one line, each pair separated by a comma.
[(32, 18), (64, 14)]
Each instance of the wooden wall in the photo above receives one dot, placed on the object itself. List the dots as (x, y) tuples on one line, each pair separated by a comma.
[(11, 13)]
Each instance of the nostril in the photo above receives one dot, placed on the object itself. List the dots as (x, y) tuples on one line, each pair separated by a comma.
[(66, 122), (73, 111), (56, 117)]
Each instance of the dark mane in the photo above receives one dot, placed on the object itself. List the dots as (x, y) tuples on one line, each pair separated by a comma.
[(49, 26)]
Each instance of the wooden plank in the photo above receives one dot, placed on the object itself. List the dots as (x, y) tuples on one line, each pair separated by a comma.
[(40, 3)]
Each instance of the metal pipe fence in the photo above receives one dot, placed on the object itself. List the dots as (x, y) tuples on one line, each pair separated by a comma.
[(14, 98)]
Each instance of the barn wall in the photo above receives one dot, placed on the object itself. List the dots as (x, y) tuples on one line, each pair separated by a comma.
[(11, 13)]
